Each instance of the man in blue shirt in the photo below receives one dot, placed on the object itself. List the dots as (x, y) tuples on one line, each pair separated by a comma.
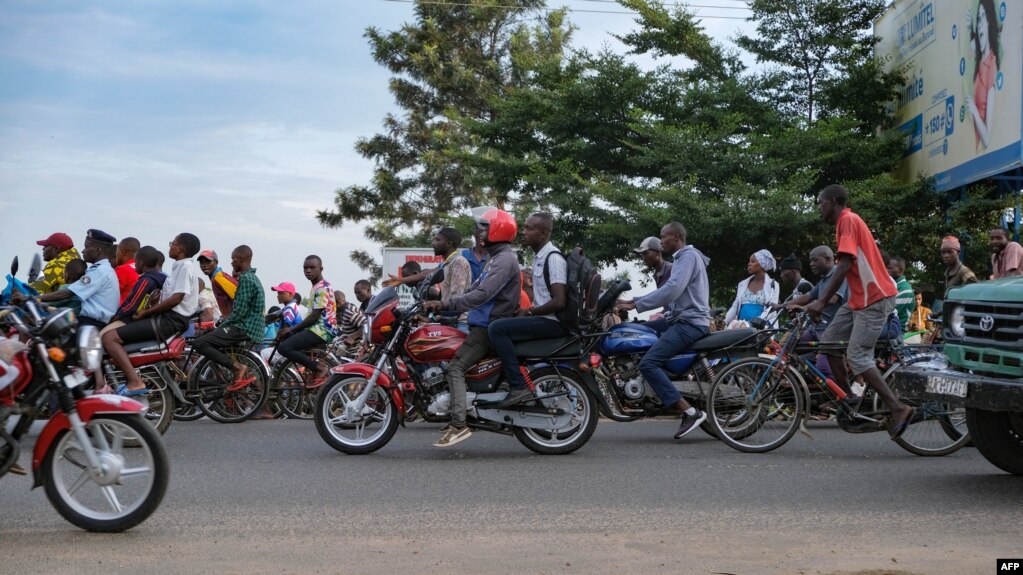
[(98, 288), (686, 297)]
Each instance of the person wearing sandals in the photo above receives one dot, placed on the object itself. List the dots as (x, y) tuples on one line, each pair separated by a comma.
[(871, 300), (317, 329), (179, 298), (243, 326)]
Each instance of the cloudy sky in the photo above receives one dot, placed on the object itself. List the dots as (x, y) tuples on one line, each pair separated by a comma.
[(233, 120)]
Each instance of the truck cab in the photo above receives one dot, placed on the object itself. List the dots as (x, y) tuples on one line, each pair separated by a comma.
[(983, 329)]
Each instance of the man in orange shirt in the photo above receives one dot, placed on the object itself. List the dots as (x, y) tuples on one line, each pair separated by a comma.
[(871, 301)]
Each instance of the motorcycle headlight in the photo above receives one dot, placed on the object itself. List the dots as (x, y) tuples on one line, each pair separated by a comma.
[(90, 350), (957, 321)]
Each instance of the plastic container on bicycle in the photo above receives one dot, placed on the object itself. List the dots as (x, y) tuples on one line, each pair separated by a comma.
[(630, 338)]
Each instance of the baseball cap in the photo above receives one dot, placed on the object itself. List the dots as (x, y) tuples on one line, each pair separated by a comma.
[(58, 240), (650, 243), (285, 287), (210, 255)]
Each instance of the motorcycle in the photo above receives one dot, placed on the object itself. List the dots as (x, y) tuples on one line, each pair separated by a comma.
[(362, 404), (80, 456)]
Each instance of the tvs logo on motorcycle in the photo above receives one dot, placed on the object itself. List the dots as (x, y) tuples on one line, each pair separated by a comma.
[(987, 323)]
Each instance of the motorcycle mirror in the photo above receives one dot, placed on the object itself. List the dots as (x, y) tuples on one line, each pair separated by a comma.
[(437, 277), (33, 270), (14, 267), (804, 288)]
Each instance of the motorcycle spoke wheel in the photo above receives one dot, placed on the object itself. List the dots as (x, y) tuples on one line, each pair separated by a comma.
[(564, 391), (367, 432), (129, 488)]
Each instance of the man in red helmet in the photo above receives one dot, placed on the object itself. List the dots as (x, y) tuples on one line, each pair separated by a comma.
[(493, 296)]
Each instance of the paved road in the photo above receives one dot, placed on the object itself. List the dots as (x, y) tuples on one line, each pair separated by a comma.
[(271, 497)]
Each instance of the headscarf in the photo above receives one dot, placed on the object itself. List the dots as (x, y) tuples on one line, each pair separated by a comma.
[(765, 259), (951, 242)]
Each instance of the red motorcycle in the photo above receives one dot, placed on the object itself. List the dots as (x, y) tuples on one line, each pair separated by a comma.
[(80, 457), (362, 404)]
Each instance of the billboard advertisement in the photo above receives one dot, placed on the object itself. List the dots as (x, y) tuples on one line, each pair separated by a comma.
[(960, 108), (394, 258)]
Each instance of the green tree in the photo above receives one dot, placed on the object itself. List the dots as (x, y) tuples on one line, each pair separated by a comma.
[(451, 63)]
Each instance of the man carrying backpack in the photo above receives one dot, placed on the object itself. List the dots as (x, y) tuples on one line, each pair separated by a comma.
[(686, 296), (550, 273)]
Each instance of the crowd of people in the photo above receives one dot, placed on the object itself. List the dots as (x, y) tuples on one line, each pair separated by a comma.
[(122, 288)]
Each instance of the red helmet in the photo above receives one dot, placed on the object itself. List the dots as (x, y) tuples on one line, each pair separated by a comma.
[(497, 225)]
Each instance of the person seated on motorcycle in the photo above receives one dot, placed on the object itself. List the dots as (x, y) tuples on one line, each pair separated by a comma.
[(73, 271), (223, 284), (317, 328), (550, 271), (493, 296), (179, 298), (686, 296), (243, 326), (58, 250), (457, 272), (756, 294), (98, 288), (150, 282)]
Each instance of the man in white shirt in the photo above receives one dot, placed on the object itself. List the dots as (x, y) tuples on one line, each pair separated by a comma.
[(550, 271)]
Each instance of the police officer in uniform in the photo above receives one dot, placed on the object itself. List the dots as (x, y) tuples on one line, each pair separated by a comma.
[(98, 288)]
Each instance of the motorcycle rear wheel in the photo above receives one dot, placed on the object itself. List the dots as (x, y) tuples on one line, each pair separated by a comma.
[(161, 402), (381, 420), (584, 417), (141, 481)]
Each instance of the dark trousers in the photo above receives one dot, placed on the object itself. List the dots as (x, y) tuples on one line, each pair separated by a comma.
[(505, 332), (212, 344), (292, 347)]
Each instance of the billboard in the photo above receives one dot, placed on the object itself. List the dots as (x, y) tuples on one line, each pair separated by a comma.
[(394, 258), (961, 108)]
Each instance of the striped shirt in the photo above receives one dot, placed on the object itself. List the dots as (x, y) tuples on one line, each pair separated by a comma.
[(350, 320)]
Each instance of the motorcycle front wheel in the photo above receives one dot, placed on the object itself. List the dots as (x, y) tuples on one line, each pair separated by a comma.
[(569, 393), (133, 481), (369, 431)]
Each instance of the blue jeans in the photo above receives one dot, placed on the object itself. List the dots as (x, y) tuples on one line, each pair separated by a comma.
[(674, 339), (505, 332)]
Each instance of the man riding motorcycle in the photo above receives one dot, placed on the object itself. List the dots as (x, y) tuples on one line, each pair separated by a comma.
[(493, 296)]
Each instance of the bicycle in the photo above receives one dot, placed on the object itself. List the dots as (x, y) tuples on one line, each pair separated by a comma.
[(757, 404)]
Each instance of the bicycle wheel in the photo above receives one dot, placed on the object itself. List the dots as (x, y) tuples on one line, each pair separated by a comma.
[(226, 406), (937, 428), (752, 408), (295, 399)]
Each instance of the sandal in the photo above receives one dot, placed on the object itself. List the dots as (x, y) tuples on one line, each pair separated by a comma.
[(241, 381)]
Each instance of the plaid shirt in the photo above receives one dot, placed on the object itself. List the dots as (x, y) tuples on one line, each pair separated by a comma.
[(53, 272), (247, 313)]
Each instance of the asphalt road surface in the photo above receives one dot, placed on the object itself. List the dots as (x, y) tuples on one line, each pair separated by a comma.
[(272, 497)]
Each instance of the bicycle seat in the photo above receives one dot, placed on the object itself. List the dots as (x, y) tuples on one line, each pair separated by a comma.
[(553, 347), (721, 339)]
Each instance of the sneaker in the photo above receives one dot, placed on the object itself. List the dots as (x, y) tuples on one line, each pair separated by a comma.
[(689, 423), (452, 436), (515, 397)]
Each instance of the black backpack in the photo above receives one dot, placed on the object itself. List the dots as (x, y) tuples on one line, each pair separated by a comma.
[(582, 288)]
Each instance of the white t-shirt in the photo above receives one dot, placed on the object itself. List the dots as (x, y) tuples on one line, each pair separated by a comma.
[(183, 279), (209, 301), (557, 268)]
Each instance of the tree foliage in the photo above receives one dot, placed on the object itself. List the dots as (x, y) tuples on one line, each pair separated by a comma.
[(501, 112)]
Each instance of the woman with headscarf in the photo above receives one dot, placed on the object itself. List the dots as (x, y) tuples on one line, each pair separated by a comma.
[(756, 294)]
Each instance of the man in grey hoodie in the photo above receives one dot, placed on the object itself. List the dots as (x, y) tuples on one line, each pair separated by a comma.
[(686, 297)]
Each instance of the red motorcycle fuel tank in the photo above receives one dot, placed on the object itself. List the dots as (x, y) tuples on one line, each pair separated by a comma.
[(433, 342)]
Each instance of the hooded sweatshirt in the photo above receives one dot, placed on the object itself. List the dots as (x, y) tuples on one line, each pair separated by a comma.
[(686, 294), (495, 294)]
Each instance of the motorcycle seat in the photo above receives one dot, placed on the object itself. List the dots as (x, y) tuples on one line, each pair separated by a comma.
[(720, 339), (149, 346), (553, 347)]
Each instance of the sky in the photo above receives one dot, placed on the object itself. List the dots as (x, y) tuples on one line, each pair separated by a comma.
[(234, 121)]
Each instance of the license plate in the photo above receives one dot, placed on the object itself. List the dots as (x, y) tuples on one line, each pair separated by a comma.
[(941, 385), (75, 378)]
